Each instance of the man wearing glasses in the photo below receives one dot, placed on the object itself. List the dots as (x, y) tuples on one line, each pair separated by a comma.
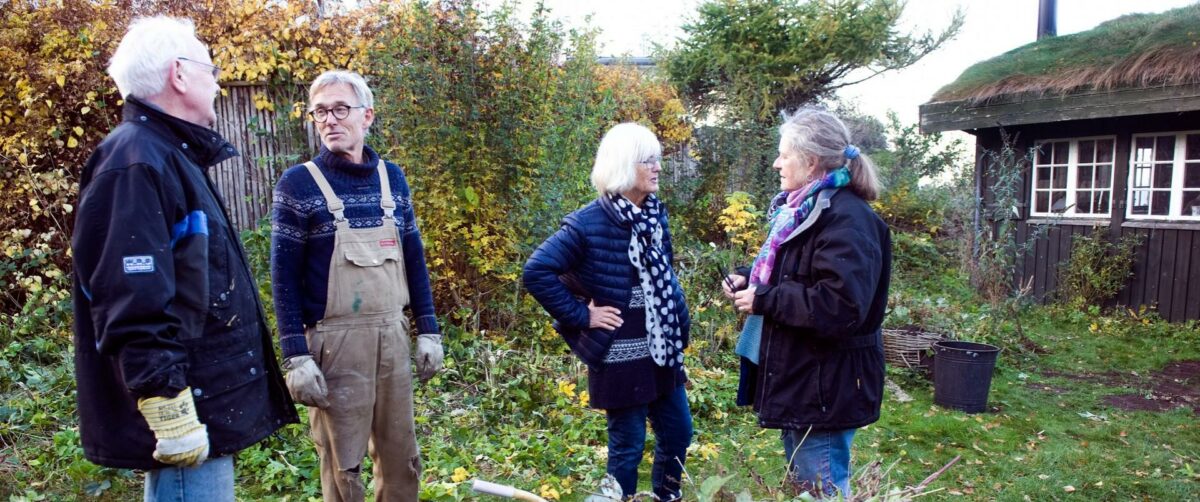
[(346, 258), (173, 357)]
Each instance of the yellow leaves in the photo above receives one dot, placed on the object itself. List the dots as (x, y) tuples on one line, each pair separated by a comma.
[(72, 142), (548, 492), (459, 475), (60, 80), (78, 131), (706, 451), (262, 102), (742, 221), (584, 399), (566, 388)]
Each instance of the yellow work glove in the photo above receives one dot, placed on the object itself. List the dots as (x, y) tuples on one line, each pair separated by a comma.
[(429, 355), (305, 381), (182, 439)]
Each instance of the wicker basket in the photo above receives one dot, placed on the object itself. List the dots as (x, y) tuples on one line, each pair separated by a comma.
[(903, 347)]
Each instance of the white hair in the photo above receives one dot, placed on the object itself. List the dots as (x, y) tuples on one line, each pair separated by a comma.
[(824, 137), (140, 64), (623, 147), (334, 77)]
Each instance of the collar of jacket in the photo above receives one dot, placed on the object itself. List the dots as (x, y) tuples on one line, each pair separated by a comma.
[(200, 144), (823, 201), (611, 212)]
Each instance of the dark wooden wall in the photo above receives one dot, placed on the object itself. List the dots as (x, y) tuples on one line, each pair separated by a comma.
[(1166, 268)]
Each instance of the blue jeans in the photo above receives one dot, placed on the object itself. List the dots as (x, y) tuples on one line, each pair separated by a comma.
[(210, 481), (672, 422), (820, 463)]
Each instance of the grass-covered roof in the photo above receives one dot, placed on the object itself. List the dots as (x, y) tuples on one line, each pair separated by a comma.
[(1136, 50)]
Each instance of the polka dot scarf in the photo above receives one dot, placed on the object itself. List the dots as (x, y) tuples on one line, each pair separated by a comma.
[(647, 256)]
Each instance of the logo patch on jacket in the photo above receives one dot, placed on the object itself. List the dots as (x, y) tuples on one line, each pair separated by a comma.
[(143, 264), (387, 243)]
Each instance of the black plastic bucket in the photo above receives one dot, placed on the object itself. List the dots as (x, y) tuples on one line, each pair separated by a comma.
[(962, 374)]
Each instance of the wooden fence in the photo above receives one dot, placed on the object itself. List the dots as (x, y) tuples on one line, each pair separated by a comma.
[(246, 182)]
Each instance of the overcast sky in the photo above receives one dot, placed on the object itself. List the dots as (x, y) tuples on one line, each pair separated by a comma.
[(630, 27)]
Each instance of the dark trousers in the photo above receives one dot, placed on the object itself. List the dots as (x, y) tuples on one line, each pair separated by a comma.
[(672, 422)]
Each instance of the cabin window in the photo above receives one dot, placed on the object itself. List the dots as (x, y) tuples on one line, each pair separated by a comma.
[(1073, 177), (1164, 176)]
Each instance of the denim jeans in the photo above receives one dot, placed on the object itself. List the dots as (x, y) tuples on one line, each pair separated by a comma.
[(210, 481), (672, 422), (820, 463)]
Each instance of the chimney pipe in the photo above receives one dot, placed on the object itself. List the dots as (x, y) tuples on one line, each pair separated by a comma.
[(1047, 24)]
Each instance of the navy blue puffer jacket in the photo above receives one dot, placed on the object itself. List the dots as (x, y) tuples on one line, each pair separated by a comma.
[(590, 250)]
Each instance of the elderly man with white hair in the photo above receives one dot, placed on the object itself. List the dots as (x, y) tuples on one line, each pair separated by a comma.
[(346, 259), (173, 357)]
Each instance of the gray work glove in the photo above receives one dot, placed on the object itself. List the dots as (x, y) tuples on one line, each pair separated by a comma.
[(305, 381), (429, 356)]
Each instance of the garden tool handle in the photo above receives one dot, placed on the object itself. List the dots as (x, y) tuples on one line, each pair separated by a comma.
[(505, 491)]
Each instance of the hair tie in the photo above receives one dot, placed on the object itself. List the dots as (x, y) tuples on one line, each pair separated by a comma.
[(851, 152)]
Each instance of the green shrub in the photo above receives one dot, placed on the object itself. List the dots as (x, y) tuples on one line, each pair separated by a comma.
[(1097, 269)]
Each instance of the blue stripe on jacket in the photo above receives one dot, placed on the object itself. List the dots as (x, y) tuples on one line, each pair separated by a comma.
[(196, 222)]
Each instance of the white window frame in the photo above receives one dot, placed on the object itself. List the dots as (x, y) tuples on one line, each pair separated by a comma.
[(1175, 210), (1072, 179)]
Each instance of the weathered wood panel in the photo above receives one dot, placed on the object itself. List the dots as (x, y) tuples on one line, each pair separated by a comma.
[(1192, 306), (1179, 294), (246, 182), (1166, 271), (1153, 264)]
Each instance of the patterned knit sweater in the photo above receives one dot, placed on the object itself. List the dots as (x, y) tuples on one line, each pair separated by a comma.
[(302, 231)]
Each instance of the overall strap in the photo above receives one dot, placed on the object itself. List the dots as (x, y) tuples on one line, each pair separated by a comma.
[(385, 192), (335, 205)]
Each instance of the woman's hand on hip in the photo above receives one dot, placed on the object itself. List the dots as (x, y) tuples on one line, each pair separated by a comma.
[(603, 317), (743, 301), (732, 284)]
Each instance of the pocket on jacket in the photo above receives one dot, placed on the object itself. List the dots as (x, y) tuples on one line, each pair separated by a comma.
[(220, 279), (219, 364)]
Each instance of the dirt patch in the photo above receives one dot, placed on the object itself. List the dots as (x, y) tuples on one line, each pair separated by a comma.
[(1177, 385)]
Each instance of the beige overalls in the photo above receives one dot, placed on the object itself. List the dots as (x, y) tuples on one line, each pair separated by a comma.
[(362, 347)]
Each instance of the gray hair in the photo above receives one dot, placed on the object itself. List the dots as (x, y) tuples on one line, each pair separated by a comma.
[(334, 77), (140, 64), (824, 137), (623, 146)]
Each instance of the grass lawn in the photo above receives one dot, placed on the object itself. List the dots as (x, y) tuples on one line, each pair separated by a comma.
[(1053, 432)]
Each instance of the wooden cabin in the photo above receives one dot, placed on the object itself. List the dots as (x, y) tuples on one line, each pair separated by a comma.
[(1111, 120)]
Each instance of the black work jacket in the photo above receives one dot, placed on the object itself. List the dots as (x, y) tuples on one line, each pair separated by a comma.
[(163, 295), (821, 353)]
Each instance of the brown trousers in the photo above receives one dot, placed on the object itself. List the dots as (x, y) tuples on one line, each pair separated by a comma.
[(362, 347)]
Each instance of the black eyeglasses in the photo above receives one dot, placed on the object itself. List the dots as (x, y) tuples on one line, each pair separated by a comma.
[(339, 112), (216, 70)]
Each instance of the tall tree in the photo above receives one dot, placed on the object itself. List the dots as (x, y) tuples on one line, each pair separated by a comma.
[(754, 58)]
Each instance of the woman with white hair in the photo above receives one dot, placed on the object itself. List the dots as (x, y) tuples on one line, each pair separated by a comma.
[(606, 279), (812, 356)]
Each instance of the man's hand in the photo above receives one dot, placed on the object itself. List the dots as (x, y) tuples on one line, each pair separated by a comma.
[(305, 381), (182, 439), (429, 355), (743, 301), (604, 317)]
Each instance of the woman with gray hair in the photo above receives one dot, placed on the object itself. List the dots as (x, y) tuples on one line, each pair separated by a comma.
[(606, 279), (812, 355)]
